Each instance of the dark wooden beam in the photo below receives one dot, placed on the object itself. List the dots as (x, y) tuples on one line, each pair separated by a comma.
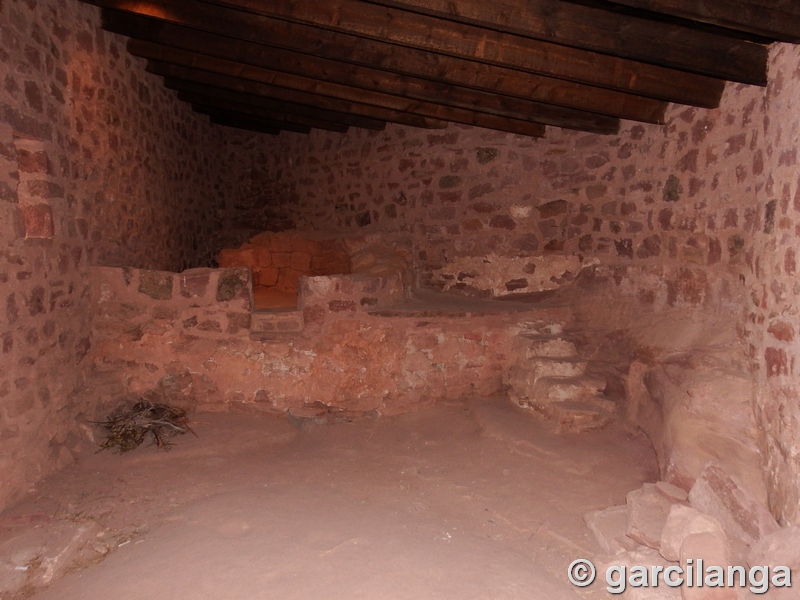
[(256, 106), (291, 97), (409, 61), (245, 125), (229, 101), (277, 106), (772, 19), (293, 101), (484, 45), (359, 77), (461, 41), (608, 33), (244, 78), (215, 111)]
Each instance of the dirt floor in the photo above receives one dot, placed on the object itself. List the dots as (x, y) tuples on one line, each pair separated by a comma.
[(463, 501)]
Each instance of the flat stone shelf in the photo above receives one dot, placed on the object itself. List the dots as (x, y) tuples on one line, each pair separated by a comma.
[(430, 304)]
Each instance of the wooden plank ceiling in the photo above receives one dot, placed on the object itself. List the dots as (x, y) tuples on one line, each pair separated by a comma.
[(508, 65)]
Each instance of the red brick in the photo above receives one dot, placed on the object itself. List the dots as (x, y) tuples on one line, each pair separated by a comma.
[(301, 261), (235, 258)]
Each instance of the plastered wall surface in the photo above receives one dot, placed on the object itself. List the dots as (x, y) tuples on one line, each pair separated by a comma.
[(98, 165)]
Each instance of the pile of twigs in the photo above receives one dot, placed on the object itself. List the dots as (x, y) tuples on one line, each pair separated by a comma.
[(127, 430)]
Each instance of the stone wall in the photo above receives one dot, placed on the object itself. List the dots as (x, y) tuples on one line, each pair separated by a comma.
[(771, 277), (688, 228), (652, 195), (190, 338), (98, 165)]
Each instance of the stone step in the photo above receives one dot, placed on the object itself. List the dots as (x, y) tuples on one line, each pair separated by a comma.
[(581, 415), (521, 380), (546, 346), (557, 389), (543, 366), (276, 324), (539, 328)]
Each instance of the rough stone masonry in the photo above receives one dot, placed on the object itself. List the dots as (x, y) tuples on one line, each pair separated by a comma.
[(683, 238)]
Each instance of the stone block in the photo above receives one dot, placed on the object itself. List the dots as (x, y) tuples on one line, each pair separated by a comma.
[(262, 257), (238, 257), (234, 283), (647, 514), (342, 305), (780, 548), (38, 220), (39, 188), (281, 260), (712, 549), (301, 261), (548, 347), (287, 280), (741, 515), (35, 556), (557, 389), (263, 240), (31, 160), (695, 414), (608, 527), (278, 321), (556, 367), (672, 492), (156, 284), (682, 522), (195, 282), (267, 277)]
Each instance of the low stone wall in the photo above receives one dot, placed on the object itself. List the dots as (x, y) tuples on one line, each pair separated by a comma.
[(278, 260), (188, 338)]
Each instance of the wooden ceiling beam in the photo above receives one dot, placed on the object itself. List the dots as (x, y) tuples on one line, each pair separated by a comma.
[(246, 78), (409, 61), (290, 97), (772, 19), (492, 47), (229, 101), (278, 106), (373, 80), (466, 42), (602, 31), (246, 125), (269, 118), (218, 112)]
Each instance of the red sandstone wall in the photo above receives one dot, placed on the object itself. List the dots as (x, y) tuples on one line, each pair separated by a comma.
[(695, 216), (191, 339), (651, 196), (98, 165), (772, 307)]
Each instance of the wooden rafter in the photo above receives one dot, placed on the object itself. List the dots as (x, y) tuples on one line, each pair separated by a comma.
[(608, 33), (510, 65), (203, 44)]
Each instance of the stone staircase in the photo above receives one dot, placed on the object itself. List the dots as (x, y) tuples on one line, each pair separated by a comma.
[(552, 380), (276, 325)]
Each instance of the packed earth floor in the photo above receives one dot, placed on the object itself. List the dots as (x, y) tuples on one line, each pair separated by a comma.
[(475, 500)]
